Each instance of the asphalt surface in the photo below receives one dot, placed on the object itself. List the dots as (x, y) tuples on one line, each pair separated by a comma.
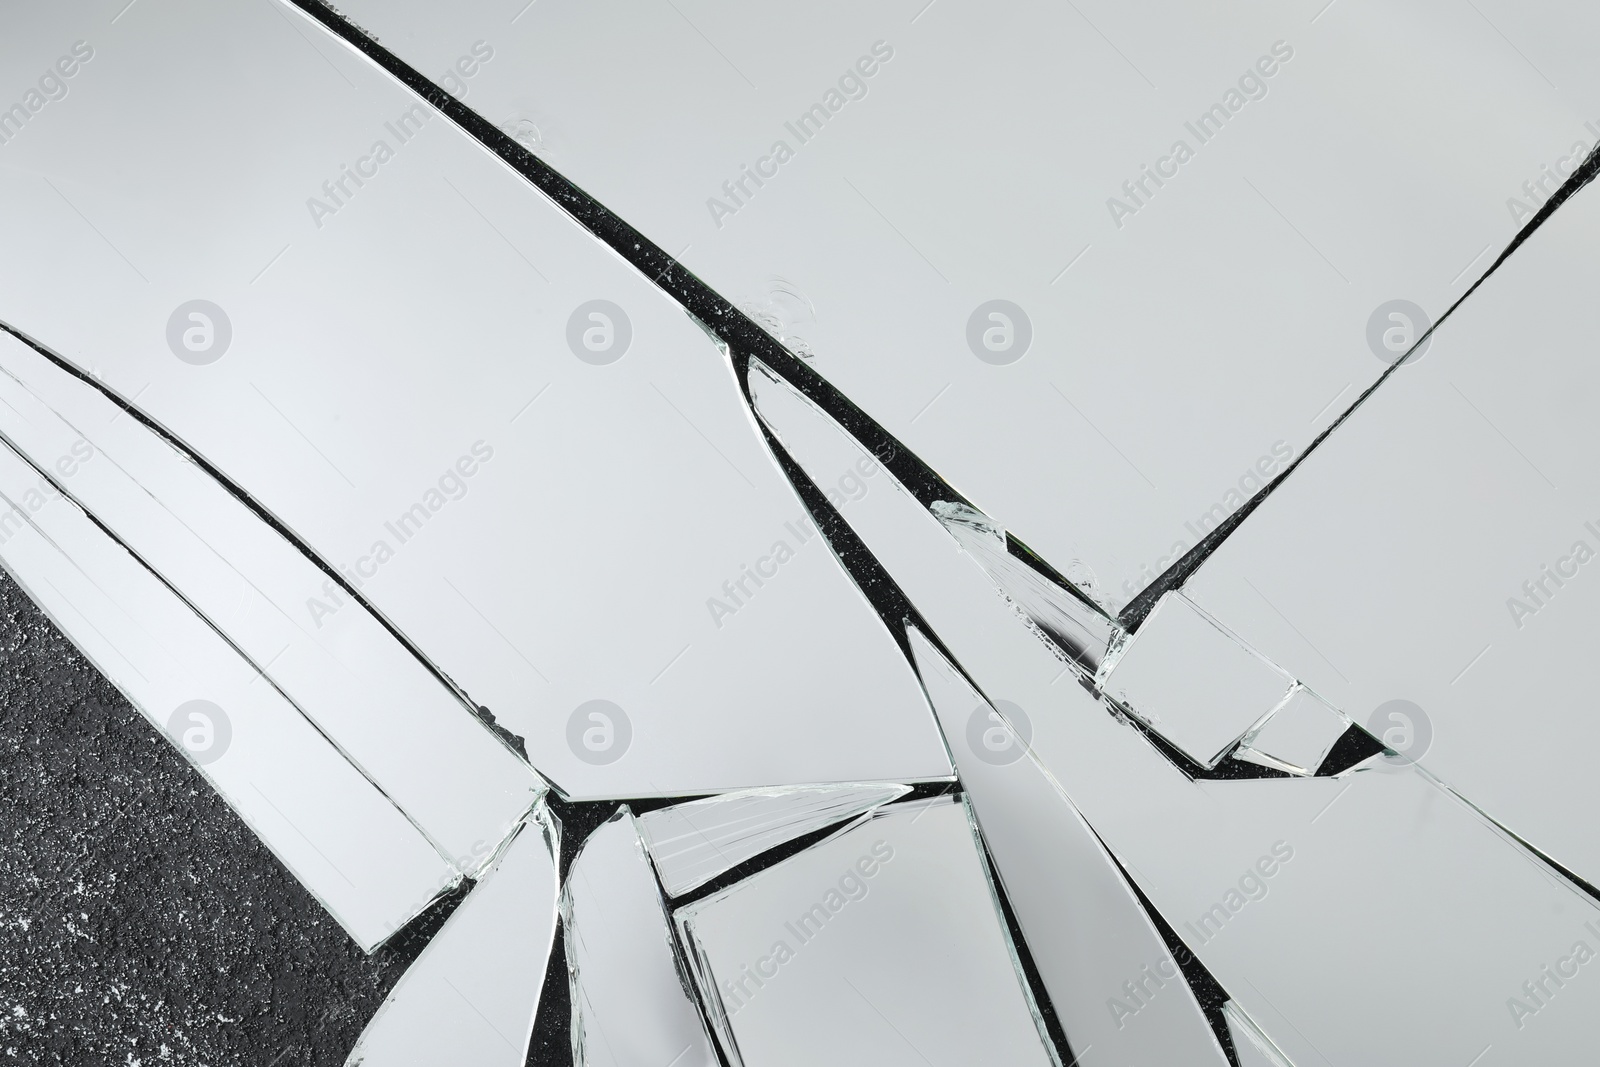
[(141, 922)]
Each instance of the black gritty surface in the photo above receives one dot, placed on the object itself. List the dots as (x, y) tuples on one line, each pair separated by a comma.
[(141, 922)]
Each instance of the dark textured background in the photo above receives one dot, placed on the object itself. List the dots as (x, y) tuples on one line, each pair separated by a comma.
[(137, 913)]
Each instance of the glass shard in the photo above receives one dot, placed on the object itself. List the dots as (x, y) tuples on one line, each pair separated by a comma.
[(1240, 869), (1466, 479), (1195, 683), (1040, 351), (692, 843), (630, 996), (438, 383), (1082, 630), (472, 994), (416, 494), (880, 945), (427, 750), (1297, 736), (339, 834), (1119, 993), (1253, 1047)]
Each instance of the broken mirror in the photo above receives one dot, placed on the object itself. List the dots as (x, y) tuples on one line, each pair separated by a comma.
[(713, 535)]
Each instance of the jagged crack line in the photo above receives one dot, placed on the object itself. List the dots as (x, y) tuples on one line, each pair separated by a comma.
[(282, 529), (849, 543), (102, 451), (1018, 549), (230, 642), (682, 959), (1176, 575), (896, 611), (717, 315), (1043, 1008), (1203, 986), (1576, 880), (775, 855), (551, 1025)]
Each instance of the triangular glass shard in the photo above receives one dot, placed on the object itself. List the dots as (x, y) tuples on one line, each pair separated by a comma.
[(693, 843), (471, 996), (1112, 979), (879, 945), (630, 996), (1242, 868)]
